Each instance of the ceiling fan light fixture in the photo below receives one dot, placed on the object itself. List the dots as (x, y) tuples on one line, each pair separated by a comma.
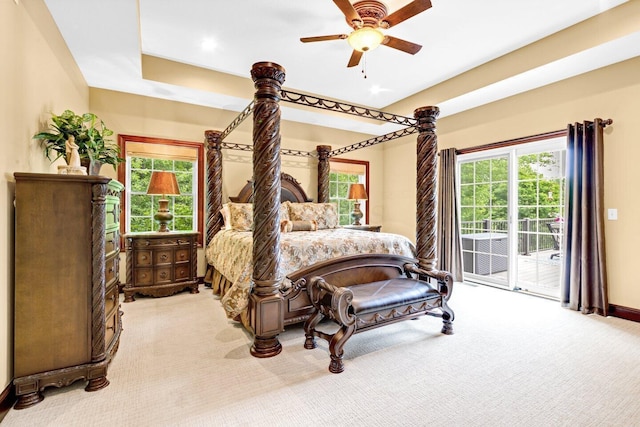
[(365, 39)]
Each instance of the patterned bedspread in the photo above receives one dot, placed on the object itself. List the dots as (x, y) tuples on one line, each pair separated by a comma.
[(230, 252)]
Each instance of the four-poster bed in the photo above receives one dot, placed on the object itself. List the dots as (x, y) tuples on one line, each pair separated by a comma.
[(271, 301)]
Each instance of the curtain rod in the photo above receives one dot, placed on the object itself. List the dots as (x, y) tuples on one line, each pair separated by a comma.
[(516, 141), (523, 140)]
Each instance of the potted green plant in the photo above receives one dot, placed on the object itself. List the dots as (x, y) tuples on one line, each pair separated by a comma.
[(91, 137)]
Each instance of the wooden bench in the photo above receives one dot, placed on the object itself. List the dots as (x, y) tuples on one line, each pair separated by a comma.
[(363, 306)]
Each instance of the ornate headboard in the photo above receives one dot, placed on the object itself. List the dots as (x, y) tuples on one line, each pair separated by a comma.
[(291, 191)]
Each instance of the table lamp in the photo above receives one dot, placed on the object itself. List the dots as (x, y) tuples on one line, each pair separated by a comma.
[(357, 193), (163, 183)]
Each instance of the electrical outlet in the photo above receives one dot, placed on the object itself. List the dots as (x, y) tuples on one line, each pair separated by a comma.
[(612, 214)]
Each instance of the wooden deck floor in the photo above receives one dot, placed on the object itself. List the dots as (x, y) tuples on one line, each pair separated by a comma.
[(536, 273)]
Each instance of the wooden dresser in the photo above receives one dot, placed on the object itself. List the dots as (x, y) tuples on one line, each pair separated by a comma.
[(67, 312), (161, 263)]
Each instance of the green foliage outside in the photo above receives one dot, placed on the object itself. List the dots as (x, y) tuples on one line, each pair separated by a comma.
[(484, 190), (143, 206), (339, 191)]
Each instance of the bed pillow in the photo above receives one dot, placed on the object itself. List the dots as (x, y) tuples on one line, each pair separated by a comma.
[(325, 214), (284, 211), (241, 216), (226, 217), (287, 226)]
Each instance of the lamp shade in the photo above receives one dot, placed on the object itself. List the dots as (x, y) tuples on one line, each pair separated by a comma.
[(365, 39), (163, 183), (357, 192)]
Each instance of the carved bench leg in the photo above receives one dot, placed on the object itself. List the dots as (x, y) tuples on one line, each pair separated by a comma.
[(309, 329), (447, 319), (336, 346)]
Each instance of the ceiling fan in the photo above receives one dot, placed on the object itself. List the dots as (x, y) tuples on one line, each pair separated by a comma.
[(367, 17)]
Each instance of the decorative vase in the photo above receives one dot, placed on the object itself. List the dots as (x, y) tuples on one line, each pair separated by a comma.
[(93, 166)]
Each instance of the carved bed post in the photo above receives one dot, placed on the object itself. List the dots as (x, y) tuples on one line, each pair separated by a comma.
[(266, 305), (323, 172), (214, 191), (214, 182), (426, 194)]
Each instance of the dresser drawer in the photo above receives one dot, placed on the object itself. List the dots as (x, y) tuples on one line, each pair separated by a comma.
[(163, 275), (111, 269), (163, 256), (113, 213), (183, 255), (142, 276), (183, 271), (112, 242), (111, 300), (111, 327), (143, 258)]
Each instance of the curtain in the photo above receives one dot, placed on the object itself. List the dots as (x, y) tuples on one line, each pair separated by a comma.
[(448, 230), (584, 282)]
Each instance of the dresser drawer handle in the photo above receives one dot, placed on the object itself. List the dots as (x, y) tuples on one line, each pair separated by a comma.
[(144, 275), (163, 275), (182, 256), (144, 257), (164, 257)]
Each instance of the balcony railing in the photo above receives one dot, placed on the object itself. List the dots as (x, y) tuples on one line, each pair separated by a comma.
[(533, 234)]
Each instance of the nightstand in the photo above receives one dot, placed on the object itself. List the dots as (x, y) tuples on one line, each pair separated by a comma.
[(364, 227), (160, 264)]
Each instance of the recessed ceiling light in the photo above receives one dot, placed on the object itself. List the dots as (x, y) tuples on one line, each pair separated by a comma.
[(209, 44), (376, 89)]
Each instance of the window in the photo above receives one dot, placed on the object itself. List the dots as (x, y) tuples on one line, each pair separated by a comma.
[(143, 156), (343, 173)]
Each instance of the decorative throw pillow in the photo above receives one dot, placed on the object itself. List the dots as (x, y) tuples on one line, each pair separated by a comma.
[(241, 216), (284, 211), (325, 214), (288, 226), (226, 216)]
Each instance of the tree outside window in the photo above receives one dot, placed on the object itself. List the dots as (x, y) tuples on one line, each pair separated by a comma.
[(343, 173)]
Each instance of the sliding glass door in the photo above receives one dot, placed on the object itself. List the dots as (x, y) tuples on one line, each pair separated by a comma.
[(511, 206)]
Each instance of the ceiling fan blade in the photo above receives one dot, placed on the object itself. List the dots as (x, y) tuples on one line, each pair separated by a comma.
[(402, 45), (355, 58), (406, 12), (323, 38), (348, 10)]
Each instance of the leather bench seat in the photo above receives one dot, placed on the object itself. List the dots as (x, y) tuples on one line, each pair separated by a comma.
[(391, 293)]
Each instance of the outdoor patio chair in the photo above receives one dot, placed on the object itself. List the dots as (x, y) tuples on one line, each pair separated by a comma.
[(555, 228)]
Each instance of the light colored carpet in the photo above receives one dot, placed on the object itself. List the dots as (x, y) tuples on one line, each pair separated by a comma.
[(515, 360)]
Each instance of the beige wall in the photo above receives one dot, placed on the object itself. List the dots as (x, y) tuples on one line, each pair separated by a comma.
[(37, 76), (612, 92)]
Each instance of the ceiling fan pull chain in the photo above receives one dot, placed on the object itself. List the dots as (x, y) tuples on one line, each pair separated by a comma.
[(364, 65)]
